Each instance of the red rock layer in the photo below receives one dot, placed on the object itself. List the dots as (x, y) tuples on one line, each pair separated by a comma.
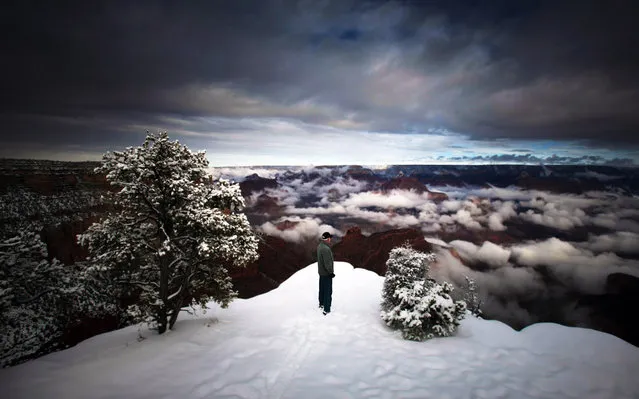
[(372, 252)]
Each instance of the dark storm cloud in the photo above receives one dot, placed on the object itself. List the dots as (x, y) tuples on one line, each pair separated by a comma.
[(522, 71), (116, 54)]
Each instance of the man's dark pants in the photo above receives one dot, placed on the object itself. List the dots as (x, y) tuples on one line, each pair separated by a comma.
[(325, 292)]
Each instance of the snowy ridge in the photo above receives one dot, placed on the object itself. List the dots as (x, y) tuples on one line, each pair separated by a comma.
[(279, 345)]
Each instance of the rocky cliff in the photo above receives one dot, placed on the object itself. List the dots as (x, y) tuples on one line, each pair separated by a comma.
[(255, 183), (278, 260), (371, 252), (59, 199)]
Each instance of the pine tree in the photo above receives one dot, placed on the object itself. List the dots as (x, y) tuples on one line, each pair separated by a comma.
[(404, 267), (174, 234), (39, 298), (29, 295), (413, 303)]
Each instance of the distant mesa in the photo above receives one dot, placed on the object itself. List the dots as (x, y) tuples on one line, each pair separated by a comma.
[(254, 177), (353, 233), (360, 173), (555, 185), (267, 204), (404, 183), (333, 195), (255, 183), (436, 196), (286, 225), (51, 177)]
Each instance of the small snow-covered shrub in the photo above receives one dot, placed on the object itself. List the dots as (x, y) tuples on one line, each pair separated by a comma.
[(471, 297), (414, 304)]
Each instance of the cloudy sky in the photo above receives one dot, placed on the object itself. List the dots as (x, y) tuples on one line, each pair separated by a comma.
[(278, 82)]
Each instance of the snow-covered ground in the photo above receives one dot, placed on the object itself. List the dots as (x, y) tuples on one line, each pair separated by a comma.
[(279, 345)]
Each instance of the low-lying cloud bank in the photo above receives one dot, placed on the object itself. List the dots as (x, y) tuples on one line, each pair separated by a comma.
[(624, 242), (571, 264), (550, 270), (296, 229), (329, 191), (488, 253), (513, 272), (477, 209), (501, 289)]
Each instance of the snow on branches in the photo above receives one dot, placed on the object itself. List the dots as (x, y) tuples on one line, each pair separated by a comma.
[(39, 298), (471, 297), (175, 234), (31, 289), (414, 304)]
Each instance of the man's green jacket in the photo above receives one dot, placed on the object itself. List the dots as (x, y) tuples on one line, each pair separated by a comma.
[(324, 259)]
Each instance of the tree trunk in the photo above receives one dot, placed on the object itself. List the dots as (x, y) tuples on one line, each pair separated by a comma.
[(175, 312), (164, 272), (164, 296), (179, 300)]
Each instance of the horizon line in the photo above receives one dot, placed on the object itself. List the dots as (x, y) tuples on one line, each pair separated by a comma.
[(372, 166)]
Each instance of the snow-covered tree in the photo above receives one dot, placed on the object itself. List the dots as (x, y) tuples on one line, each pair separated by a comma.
[(471, 297), (413, 303), (31, 291), (174, 234), (39, 298)]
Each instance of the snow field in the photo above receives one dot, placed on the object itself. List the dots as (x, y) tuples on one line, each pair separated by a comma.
[(279, 345)]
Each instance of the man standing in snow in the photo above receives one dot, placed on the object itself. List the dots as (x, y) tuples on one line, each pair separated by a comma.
[(325, 270)]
